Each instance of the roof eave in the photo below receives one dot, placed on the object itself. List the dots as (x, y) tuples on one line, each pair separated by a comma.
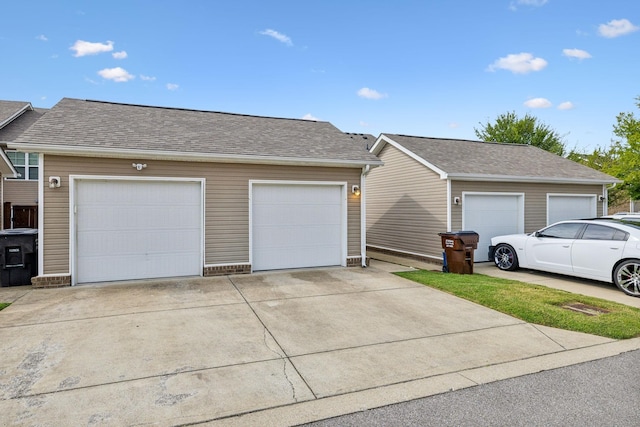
[(184, 156), (6, 167), (384, 140), (17, 114), (530, 179)]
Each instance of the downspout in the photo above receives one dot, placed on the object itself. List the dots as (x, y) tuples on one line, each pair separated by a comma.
[(363, 216), (605, 202)]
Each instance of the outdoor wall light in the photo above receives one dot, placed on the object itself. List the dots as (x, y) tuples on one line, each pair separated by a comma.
[(355, 189), (456, 200), (54, 182), (601, 198), (139, 166)]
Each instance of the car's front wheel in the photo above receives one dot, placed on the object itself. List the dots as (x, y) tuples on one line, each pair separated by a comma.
[(505, 257), (626, 276)]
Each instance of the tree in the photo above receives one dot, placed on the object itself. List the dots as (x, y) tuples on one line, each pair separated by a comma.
[(627, 152), (509, 128)]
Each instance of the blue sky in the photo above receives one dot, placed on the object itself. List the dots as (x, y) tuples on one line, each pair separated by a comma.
[(436, 68)]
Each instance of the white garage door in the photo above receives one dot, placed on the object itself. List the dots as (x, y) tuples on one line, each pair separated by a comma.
[(296, 226), (492, 215), (562, 206), (137, 229)]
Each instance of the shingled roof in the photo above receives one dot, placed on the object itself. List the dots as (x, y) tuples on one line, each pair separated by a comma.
[(84, 127), (489, 161)]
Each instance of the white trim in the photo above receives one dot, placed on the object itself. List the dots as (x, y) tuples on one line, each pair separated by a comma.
[(449, 205), (75, 179), (521, 212), (344, 209), (594, 198), (363, 215), (184, 156), (41, 215), (10, 169), (27, 107), (384, 139), (517, 178)]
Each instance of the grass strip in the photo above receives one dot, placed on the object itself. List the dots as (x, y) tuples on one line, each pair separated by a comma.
[(4, 305), (537, 304)]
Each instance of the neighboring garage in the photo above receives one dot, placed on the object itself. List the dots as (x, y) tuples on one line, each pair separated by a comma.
[(432, 185), (298, 225), (136, 229), (147, 192)]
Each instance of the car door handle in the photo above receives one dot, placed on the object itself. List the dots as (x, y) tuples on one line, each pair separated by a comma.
[(566, 246)]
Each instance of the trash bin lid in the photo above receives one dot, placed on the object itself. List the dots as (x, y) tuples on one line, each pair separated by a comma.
[(18, 231)]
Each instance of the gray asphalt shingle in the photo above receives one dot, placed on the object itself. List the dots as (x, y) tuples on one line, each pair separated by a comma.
[(476, 158), (102, 125)]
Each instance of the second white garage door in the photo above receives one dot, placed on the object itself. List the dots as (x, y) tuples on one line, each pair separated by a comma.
[(137, 229), (297, 225), (492, 215)]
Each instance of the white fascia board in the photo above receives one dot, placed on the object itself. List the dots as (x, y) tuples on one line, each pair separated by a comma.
[(183, 156), (530, 179), (383, 140), (27, 107), (6, 167)]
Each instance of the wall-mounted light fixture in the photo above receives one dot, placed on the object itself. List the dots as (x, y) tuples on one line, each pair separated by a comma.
[(355, 189), (54, 182), (456, 200), (139, 166), (601, 198)]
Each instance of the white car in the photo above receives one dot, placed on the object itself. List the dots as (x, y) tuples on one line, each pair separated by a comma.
[(604, 249)]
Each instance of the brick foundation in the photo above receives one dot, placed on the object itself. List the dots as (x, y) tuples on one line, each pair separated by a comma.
[(356, 261), (51, 281), (223, 270)]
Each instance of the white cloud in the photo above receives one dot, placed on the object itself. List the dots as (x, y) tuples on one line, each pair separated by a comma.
[(367, 93), (576, 53), (42, 37), (454, 125), (567, 105), (116, 74), (119, 55), (308, 116), (616, 28), (278, 36), (363, 123), (83, 48), (518, 63), (172, 86), (533, 3), (538, 103), (147, 78)]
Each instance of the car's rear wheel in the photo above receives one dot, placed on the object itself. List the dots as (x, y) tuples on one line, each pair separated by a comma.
[(626, 276), (505, 257)]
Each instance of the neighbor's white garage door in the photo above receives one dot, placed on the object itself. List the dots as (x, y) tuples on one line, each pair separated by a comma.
[(492, 215), (137, 229), (561, 207), (295, 226)]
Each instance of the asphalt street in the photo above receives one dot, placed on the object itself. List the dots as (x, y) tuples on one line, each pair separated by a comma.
[(598, 393)]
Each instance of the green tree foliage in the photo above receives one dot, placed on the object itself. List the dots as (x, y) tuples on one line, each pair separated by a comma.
[(627, 152), (604, 160), (509, 128)]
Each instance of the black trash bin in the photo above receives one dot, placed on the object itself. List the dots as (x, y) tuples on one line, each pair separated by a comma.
[(458, 251), (18, 256)]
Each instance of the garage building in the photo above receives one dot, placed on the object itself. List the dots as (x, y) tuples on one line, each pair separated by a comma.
[(433, 185), (138, 192)]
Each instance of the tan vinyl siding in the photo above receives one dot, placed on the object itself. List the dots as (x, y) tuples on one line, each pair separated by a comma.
[(406, 205), (226, 201), (535, 198), (20, 192)]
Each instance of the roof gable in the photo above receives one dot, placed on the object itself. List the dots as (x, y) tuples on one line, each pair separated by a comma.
[(477, 160), (100, 127), (10, 110)]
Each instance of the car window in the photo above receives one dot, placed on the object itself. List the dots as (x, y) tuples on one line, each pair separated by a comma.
[(565, 230), (602, 232)]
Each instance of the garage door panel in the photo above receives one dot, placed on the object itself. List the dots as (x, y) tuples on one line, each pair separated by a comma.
[(564, 207), (295, 226), (137, 229), (492, 215)]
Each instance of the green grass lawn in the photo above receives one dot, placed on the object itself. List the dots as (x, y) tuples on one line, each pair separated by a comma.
[(4, 305), (537, 304)]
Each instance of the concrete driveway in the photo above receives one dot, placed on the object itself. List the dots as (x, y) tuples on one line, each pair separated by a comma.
[(278, 348)]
